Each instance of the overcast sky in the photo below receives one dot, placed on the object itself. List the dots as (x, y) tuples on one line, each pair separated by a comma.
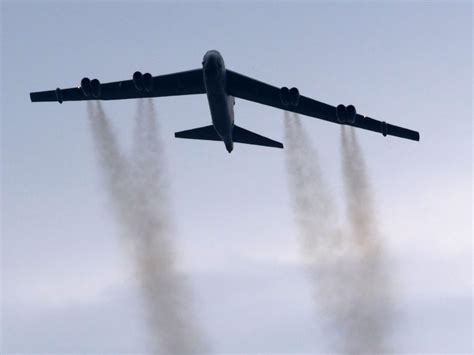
[(67, 283)]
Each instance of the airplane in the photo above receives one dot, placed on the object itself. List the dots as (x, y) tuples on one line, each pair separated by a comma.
[(221, 87)]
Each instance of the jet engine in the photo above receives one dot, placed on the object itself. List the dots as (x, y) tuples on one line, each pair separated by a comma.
[(351, 113), (294, 96), (285, 96), (86, 87), (138, 80), (341, 113), (147, 82), (96, 87)]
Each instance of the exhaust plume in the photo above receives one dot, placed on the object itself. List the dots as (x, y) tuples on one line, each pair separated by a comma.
[(371, 302), (340, 260), (138, 193)]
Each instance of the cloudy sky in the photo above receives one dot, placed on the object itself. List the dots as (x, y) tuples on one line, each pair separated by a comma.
[(68, 284)]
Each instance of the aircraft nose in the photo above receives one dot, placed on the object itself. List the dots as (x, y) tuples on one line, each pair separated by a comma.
[(210, 59)]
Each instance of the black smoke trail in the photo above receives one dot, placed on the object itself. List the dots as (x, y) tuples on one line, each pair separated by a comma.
[(138, 192), (371, 302), (341, 259)]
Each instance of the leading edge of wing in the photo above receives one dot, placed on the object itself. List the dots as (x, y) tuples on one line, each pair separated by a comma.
[(247, 88), (182, 83), (386, 129)]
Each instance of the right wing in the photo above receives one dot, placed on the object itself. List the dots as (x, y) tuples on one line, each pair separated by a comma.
[(182, 83), (250, 89)]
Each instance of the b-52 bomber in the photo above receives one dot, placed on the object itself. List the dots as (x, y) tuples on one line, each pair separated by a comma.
[(221, 87)]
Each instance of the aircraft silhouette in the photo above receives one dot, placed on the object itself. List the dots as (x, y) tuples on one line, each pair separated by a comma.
[(221, 86)]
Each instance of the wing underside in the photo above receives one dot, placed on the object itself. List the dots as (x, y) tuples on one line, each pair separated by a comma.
[(250, 89), (192, 82), (182, 83)]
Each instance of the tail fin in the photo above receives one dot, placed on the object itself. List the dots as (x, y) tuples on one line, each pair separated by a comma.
[(207, 133), (241, 135)]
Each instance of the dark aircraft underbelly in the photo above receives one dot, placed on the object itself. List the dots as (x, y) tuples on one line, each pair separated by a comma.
[(220, 113)]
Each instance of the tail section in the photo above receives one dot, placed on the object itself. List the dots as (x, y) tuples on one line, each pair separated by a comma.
[(241, 135), (207, 133)]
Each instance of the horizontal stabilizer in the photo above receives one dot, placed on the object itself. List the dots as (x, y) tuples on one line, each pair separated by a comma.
[(241, 135), (207, 133)]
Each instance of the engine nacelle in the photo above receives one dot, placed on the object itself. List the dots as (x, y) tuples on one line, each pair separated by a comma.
[(96, 88), (138, 80), (86, 87), (294, 96), (341, 113), (351, 113), (346, 114), (285, 96), (147, 82)]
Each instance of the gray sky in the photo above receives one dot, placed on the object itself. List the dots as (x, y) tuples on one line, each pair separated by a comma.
[(67, 284)]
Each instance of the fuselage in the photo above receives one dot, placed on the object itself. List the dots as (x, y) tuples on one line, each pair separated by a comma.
[(221, 104)]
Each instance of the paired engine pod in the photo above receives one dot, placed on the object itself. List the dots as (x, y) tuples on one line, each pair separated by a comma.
[(143, 82), (346, 114), (289, 96)]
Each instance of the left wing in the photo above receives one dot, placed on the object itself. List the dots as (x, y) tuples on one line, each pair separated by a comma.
[(182, 83), (250, 89)]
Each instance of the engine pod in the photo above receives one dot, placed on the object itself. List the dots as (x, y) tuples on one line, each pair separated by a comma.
[(294, 96), (138, 80), (147, 82), (351, 113), (285, 96), (341, 113), (86, 87), (96, 88)]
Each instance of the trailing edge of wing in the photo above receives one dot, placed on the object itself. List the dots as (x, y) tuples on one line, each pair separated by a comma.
[(183, 83), (247, 88), (386, 129)]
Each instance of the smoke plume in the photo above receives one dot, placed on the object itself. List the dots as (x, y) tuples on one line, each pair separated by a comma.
[(138, 193), (371, 303), (342, 260)]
